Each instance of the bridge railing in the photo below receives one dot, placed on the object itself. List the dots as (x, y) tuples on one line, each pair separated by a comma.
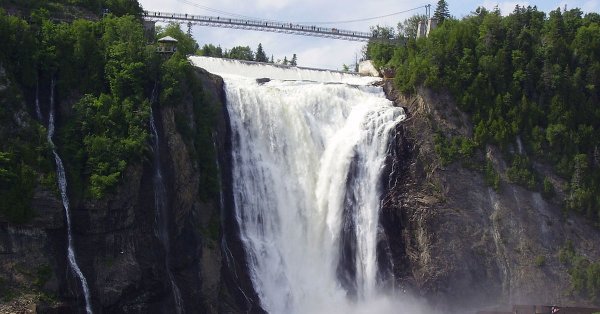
[(260, 24)]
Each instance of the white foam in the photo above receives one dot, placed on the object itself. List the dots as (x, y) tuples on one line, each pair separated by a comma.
[(230, 67)]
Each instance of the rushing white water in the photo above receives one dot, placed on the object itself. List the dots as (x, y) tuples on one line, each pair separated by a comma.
[(62, 186), (161, 220), (277, 72), (307, 163)]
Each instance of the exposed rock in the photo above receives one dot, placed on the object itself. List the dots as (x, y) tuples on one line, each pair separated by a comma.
[(236, 292), (389, 73), (115, 242), (460, 243)]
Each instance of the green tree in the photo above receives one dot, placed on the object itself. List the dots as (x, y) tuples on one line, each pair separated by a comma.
[(209, 50), (260, 54), (123, 7), (530, 74), (441, 12), (383, 32), (294, 61), (185, 43), (240, 53), (409, 27)]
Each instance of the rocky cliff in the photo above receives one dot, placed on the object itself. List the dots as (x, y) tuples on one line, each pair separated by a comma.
[(115, 237), (459, 242), (454, 240)]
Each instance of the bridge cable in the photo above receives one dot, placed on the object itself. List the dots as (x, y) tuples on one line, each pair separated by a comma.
[(221, 11), (363, 19), (312, 22)]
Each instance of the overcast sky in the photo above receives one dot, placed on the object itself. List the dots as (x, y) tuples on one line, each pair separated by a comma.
[(318, 52)]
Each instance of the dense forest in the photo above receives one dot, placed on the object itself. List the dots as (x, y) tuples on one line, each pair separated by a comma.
[(63, 8), (527, 77), (103, 74)]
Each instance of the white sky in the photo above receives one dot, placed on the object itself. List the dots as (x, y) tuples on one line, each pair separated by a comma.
[(319, 52)]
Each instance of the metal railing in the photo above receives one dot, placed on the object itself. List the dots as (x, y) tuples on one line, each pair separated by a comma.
[(260, 25)]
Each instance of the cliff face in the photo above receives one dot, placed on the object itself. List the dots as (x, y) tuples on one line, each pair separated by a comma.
[(462, 244), (115, 238), (453, 240)]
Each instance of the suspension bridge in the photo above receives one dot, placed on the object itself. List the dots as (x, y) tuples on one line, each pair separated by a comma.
[(260, 25)]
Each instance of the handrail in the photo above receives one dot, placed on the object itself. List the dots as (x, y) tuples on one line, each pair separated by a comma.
[(301, 29)]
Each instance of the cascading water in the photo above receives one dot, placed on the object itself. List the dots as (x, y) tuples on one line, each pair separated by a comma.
[(38, 110), (62, 186), (307, 163), (161, 223)]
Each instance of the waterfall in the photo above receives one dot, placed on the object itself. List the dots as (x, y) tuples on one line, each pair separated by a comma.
[(520, 149), (62, 185), (38, 110), (161, 218), (307, 161), (277, 72)]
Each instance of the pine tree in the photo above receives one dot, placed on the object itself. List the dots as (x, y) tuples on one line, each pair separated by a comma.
[(272, 60), (260, 54), (285, 60), (294, 61), (441, 11)]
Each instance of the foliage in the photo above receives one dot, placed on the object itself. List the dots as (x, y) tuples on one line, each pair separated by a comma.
[(585, 275), (43, 274), (107, 66), (548, 189), (240, 53), (491, 176), (211, 51), (260, 54), (441, 12), (457, 147), (24, 158), (294, 61), (243, 53), (114, 135), (410, 26), (108, 129), (528, 74), (17, 180), (178, 75), (115, 7), (540, 260), (521, 172), (105, 73), (185, 43)]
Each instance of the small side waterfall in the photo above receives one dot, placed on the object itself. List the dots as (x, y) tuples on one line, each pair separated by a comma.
[(38, 110), (161, 224), (62, 185)]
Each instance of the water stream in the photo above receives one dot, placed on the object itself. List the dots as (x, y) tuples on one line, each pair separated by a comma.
[(162, 223), (62, 185)]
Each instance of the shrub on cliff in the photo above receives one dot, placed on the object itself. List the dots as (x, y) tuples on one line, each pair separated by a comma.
[(528, 74)]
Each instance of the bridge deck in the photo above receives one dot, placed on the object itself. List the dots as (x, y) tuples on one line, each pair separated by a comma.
[(259, 25)]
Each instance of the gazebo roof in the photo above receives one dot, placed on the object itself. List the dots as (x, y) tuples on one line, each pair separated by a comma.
[(167, 39)]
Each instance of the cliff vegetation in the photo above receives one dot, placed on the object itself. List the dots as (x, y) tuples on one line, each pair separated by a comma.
[(529, 83)]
